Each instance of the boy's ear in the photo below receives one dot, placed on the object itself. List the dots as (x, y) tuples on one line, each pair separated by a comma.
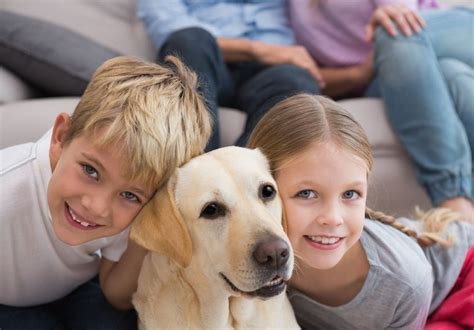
[(160, 226), (62, 124)]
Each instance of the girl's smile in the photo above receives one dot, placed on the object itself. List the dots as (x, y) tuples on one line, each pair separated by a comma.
[(324, 242)]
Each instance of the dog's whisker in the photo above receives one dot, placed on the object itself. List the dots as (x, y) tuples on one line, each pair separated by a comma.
[(297, 266), (298, 269)]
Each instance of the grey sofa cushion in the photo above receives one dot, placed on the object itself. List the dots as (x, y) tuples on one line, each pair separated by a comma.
[(52, 58)]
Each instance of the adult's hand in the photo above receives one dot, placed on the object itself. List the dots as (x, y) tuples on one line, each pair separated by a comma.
[(347, 81), (392, 16), (365, 71), (280, 54)]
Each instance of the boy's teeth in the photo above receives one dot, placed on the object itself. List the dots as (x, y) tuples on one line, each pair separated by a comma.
[(81, 222)]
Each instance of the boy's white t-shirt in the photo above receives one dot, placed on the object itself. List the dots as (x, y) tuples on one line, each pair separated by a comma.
[(36, 267)]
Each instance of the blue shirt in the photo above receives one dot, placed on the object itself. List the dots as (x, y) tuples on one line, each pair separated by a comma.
[(262, 20)]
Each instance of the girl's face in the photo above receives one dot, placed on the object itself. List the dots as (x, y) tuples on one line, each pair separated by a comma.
[(324, 193)]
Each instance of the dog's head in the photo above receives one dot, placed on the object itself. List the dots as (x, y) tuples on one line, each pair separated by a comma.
[(222, 210)]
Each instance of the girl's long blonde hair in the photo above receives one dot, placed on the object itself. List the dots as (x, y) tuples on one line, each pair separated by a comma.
[(296, 123)]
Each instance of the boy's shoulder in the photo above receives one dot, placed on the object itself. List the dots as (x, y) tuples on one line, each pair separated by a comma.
[(14, 157), (25, 171)]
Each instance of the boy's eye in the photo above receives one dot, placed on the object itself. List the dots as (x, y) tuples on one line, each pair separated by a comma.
[(350, 194), (130, 196), (90, 171), (306, 194)]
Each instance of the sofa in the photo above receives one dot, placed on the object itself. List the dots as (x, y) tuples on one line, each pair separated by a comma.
[(25, 115)]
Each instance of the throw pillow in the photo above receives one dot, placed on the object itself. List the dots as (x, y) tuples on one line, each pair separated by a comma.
[(52, 58)]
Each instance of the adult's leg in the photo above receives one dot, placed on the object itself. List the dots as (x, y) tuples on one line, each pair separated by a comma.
[(373, 89), (271, 85), (29, 318), (451, 33), (460, 80), (87, 309), (199, 50), (421, 111)]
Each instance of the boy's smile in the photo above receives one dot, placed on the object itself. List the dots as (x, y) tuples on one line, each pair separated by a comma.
[(79, 221), (88, 195), (324, 193)]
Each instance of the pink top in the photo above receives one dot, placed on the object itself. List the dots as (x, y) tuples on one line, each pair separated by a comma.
[(333, 31)]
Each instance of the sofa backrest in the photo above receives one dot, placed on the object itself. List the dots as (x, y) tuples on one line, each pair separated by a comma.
[(112, 23)]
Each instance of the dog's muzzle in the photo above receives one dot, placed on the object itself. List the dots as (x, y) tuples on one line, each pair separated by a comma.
[(271, 257)]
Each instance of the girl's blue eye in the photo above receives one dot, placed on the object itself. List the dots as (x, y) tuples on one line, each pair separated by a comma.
[(350, 194), (130, 196), (306, 194), (90, 171)]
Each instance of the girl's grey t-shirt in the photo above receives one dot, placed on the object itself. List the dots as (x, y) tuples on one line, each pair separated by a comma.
[(404, 284)]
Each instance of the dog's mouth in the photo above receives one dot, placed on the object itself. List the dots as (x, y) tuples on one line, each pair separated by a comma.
[(272, 288)]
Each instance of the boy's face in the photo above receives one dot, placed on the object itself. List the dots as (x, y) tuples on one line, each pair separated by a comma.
[(89, 196)]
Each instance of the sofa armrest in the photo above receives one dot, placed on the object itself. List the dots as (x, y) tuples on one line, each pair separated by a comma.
[(27, 121), (12, 88)]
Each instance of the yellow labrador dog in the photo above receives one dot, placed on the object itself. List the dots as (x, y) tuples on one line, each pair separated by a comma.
[(219, 256)]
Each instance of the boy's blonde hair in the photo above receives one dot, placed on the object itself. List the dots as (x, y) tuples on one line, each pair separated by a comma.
[(294, 124), (151, 113)]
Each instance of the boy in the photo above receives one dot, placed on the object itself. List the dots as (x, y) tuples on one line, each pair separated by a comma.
[(67, 200)]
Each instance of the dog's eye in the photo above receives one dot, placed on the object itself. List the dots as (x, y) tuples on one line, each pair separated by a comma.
[(212, 211), (267, 192)]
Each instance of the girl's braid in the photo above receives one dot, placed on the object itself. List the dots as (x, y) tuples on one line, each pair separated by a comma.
[(434, 223)]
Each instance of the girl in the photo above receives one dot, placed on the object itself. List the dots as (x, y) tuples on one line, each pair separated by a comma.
[(422, 67), (356, 268)]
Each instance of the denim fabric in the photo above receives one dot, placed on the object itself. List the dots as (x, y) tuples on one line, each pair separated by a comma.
[(426, 81), (460, 79), (249, 86), (83, 309)]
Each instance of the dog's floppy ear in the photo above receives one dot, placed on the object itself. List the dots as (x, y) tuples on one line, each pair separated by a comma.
[(160, 227)]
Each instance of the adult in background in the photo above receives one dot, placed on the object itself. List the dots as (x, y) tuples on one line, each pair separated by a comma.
[(423, 70), (242, 51)]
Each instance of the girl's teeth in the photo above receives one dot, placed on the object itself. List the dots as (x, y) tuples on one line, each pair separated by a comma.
[(324, 240)]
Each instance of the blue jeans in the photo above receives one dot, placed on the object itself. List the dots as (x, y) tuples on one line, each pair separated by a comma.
[(427, 84), (248, 86), (83, 309)]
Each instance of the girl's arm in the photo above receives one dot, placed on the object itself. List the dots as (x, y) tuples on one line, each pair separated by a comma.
[(343, 81), (118, 280)]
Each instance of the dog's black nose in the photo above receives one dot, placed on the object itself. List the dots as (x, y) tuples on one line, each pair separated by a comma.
[(273, 253)]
